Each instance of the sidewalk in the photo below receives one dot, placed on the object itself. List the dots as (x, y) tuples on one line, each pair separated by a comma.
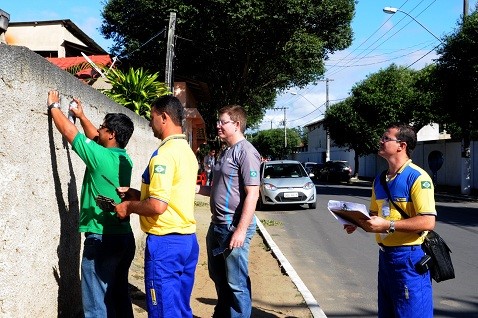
[(273, 293)]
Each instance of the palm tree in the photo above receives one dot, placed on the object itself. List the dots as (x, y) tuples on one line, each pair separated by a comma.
[(135, 90)]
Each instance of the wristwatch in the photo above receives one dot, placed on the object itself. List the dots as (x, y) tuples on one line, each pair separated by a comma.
[(54, 105), (391, 228)]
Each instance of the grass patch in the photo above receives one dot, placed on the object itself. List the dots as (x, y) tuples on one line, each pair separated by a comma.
[(201, 203), (271, 222)]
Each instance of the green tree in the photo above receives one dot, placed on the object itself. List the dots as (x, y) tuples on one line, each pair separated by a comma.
[(394, 94), (136, 89), (456, 80), (246, 51), (270, 143), (385, 96), (348, 129), (302, 134)]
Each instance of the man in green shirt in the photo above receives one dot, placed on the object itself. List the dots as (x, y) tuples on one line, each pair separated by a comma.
[(109, 244)]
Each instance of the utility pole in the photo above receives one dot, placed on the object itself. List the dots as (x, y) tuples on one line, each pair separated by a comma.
[(285, 129), (327, 141), (285, 125), (465, 142), (170, 52)]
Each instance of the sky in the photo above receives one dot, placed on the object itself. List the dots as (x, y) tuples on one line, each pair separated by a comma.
[(379, 39)]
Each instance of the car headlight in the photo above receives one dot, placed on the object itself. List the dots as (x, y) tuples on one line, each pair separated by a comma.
[(309, 185), (269, 186)]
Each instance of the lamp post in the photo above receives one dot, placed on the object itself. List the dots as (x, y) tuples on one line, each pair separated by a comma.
[(391, 10)]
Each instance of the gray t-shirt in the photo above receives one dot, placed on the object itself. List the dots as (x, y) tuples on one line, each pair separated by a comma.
[(238, 166)]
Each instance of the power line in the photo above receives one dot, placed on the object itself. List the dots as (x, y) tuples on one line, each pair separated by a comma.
[(151, 39), (368, 38), (370, 48)]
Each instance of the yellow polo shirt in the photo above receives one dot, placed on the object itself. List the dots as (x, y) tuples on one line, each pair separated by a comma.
[(171, 178)]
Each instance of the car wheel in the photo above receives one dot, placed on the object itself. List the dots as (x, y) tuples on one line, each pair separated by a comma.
[(260, 205), (313, 205)]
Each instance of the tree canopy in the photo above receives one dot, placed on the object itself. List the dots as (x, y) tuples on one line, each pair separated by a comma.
[(246, 51), (457, 78), (271, 142), (394, 94)]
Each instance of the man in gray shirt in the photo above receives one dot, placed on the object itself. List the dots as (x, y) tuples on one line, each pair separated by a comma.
[(234, 195)]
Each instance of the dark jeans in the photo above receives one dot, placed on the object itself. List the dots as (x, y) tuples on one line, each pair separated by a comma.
[(229, 271), (104, 275)]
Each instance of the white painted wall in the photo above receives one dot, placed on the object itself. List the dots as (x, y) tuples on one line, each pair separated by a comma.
[(40, 183)]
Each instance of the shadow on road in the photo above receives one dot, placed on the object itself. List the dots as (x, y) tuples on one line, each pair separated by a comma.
[(344, 189)]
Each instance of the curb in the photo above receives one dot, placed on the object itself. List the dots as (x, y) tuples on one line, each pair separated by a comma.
[(313, 305)]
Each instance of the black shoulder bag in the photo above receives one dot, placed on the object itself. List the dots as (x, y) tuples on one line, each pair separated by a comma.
[(441, 267)]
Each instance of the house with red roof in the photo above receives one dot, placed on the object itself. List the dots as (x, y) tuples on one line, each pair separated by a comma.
[(62, 43)]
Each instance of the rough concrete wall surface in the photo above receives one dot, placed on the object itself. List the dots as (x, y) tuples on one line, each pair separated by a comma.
[(40, 184)]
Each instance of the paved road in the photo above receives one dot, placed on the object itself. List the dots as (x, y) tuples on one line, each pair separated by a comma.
[(340, 270)]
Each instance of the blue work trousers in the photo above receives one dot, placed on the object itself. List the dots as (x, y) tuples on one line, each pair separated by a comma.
[(104, 275), (169, 266), (229, 271), (402, 291)]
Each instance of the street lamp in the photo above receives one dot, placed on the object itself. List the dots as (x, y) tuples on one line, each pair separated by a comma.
[(391, 10)]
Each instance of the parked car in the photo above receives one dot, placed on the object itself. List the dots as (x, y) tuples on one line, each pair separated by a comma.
[(309, 166), (335, 171), (285, 182)]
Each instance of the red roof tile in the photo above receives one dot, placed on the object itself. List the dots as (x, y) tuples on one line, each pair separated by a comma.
[(66, 62)]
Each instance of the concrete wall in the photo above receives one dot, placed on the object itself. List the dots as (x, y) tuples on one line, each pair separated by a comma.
[(40, 183)]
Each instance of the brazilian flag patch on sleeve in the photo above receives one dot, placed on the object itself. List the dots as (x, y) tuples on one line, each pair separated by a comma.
[(253, 173), (160, 169), (426, 185)]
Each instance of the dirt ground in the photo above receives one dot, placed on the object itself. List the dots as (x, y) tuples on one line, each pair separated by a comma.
[(273, 293)]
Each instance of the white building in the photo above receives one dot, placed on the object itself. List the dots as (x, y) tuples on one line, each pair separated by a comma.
[(429, 139)]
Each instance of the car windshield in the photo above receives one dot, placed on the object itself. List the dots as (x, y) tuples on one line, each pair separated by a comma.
[(285, 170)]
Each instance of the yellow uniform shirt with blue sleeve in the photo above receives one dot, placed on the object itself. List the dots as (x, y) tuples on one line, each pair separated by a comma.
[(412, 190), (171, 177)]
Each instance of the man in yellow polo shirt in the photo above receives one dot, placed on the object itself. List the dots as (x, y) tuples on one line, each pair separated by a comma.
[(166, 208), (404, 286)]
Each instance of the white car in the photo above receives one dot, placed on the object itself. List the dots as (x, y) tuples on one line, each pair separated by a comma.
[(286, 182)]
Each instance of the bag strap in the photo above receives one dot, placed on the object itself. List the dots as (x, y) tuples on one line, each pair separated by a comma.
[(384, 184)]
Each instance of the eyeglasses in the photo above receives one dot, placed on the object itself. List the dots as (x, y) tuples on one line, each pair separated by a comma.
[(222, 123), (386, 139), (103, 126)]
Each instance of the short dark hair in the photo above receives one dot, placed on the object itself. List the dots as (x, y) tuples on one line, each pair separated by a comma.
[(170, 105), (237, 113), (406, 133), (121, 125)]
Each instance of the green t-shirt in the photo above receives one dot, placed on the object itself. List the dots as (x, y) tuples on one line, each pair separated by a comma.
[(104, 166)]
